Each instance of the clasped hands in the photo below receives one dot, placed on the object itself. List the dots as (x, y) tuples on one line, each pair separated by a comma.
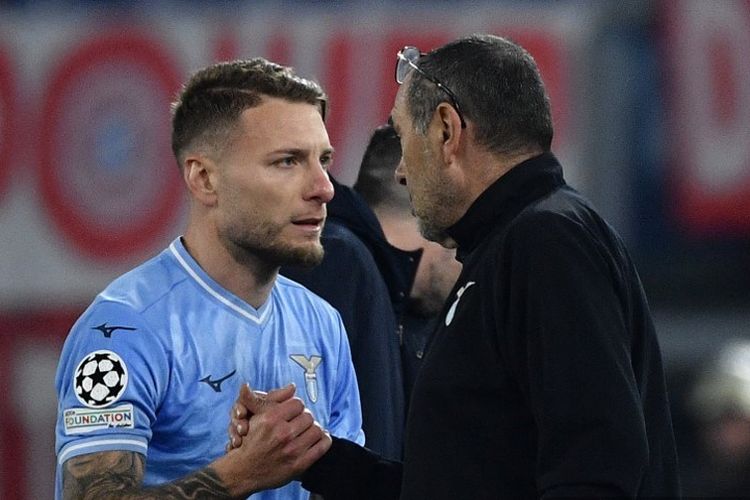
[(279, 431)]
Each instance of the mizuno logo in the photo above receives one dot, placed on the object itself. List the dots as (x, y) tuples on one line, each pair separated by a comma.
[(311, 378), (216, 384), (108, 330), (452, 310)]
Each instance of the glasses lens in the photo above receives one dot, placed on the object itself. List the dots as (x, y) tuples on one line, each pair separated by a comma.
[(406, 62), (407, 57)]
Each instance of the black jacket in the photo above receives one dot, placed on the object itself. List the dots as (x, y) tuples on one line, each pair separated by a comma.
[(544, 378)]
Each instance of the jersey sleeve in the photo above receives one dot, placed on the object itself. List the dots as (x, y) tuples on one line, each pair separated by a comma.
[(572, 357), (346, 413), (109, 382)]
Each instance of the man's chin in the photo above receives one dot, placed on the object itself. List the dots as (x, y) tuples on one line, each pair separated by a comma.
[(430, 232), (306, 257)]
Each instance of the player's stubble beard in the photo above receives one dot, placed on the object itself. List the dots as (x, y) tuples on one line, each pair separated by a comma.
[(262, 242), (431, 232)]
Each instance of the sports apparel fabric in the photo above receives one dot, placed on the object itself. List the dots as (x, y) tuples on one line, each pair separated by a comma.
[(186, 345)]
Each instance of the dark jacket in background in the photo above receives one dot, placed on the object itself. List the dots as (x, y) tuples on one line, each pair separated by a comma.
[(368, 281), (416, 332)]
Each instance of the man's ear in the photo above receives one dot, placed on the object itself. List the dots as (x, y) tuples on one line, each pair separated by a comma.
[(199, 173), (449, 128)]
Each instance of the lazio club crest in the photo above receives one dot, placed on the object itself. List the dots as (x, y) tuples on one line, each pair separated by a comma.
[(311, 378)]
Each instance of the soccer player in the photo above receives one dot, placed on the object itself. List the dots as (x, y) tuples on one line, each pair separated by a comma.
[(149, 372)]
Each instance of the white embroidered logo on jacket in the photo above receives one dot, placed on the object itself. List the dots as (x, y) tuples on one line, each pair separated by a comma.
[(452, 310), (311, 378)]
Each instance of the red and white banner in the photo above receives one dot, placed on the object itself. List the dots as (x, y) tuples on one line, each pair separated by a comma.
[(708, 99)]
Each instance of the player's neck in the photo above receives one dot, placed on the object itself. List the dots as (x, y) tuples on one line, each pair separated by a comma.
[(240, 273)]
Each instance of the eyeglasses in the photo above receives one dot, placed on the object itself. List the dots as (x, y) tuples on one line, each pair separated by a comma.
[(406, 61)]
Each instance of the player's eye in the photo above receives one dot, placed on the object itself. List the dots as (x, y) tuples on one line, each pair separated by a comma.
[(326, 161), (287, 161)]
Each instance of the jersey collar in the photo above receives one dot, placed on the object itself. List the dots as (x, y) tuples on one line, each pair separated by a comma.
[(203, 280)]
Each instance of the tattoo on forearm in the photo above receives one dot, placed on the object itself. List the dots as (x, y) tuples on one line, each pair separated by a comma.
[(202, 484), (118, 475), (107, 473)]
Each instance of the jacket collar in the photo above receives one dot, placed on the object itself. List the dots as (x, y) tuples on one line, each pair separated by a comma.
[(505, 198)]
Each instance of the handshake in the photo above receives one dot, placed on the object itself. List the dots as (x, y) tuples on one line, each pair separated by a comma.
[(287, 443), (273, 437)]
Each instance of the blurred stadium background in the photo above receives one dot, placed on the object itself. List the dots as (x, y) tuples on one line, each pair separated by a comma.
[(651, 102)]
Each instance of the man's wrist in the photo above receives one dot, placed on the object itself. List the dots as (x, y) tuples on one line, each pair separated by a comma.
[(349, 470), (236, 480)]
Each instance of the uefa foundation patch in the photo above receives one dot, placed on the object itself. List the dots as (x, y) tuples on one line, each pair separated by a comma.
[(83, 420)]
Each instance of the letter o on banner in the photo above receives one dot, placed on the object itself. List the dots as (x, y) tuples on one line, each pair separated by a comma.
[(108, 178), (7, 120)]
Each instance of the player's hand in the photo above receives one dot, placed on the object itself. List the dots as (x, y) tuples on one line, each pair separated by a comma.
[(279, 440), (240, 414)]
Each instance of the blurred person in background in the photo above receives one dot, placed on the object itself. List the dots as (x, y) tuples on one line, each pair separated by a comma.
[(544, 378), (149, 372), (720, 402), (437, 268)]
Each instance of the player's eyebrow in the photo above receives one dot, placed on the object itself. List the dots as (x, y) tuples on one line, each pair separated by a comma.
[(299, 152)]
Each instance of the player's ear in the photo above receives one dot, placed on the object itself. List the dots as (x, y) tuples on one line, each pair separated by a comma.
[(198, 172)]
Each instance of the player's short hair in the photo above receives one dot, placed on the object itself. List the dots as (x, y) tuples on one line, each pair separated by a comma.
[(375, 181), (209, 105), (498, 86)]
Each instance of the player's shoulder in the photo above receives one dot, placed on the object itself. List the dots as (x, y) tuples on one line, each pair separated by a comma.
[(126, 319), (143, 286), (563, 212), (126, 299), (293, 293)]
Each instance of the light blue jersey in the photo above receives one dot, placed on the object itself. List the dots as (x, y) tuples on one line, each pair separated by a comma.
[(156, 362)]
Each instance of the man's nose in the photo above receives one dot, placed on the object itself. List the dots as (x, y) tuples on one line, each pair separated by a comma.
[(322, 188)]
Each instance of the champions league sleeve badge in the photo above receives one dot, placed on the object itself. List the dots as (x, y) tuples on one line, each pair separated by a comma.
[(100, 379)]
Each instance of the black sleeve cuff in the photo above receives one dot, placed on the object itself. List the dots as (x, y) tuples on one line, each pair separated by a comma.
[(348, 471)]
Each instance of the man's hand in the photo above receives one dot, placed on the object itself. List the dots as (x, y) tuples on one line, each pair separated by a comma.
[(273, 439), (258, 401)]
